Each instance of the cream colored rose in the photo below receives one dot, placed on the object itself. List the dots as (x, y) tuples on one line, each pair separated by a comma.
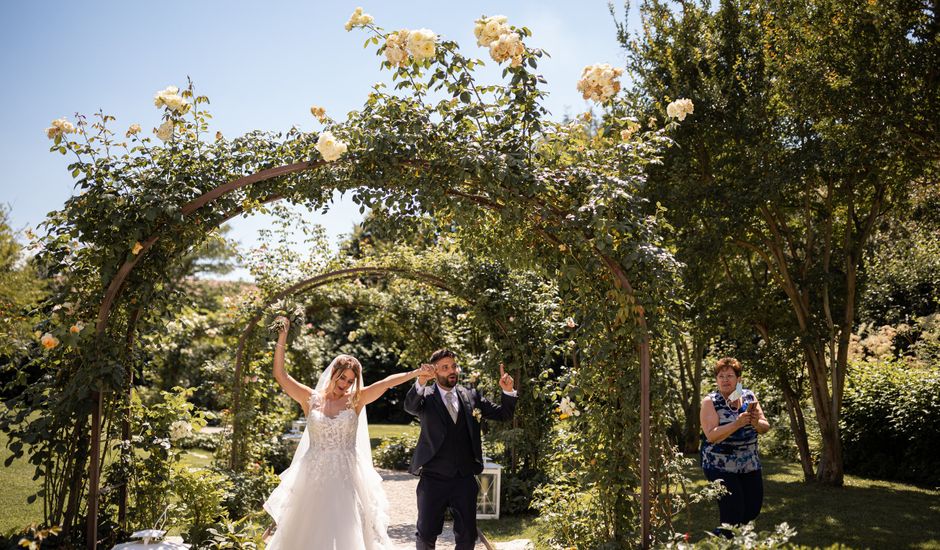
[(49, 341), (171, 99), (680, 108), (488, 29), (180, 429), (569, 322), (358, 19), (567, 408), (422, 44), (508, 46), (165, 131), (395, 48), (600, 82), (329, 147), (59, 127), (627, 133), (133, 130)]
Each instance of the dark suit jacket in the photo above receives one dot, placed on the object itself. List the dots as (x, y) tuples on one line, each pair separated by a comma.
[(427, 404)]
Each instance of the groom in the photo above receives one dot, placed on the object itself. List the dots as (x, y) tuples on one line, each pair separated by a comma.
[(449, 453)]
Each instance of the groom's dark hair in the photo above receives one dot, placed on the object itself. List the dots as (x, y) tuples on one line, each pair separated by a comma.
[(440, 354)]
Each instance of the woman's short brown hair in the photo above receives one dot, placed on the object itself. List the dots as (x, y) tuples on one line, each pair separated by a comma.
[(728, 363)]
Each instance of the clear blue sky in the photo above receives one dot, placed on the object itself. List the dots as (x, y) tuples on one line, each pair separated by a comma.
[(262, 64)]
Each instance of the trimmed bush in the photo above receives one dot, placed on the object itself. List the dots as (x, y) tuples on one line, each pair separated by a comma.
[(395, 452), (891, 422)]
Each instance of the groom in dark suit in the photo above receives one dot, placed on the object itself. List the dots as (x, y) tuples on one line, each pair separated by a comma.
[(449, 452)]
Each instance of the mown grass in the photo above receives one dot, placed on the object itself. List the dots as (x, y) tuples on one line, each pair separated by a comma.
[(378, 432), (16, 483), (865, 513)]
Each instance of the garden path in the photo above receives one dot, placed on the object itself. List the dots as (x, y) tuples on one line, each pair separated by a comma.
[(400, 489)]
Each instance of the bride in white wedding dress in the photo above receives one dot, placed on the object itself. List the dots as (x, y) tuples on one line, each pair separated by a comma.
[(331, 498)]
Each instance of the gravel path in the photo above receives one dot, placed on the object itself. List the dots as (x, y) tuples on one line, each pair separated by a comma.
[(400, 489)]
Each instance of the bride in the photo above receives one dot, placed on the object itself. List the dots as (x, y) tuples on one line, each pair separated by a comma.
[(331, 497)]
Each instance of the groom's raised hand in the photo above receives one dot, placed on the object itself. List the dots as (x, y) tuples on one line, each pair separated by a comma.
[(505, 381)]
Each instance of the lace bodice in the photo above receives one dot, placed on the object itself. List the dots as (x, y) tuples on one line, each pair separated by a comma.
[(331, 433)]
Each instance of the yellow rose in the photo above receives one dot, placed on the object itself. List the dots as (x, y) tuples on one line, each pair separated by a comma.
[(59, 127), (49, 341), (599, 82), (133, 130), (318, 112), (137, 248), (76, 328)]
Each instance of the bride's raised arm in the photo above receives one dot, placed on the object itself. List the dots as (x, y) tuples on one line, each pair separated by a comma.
[(374, 391), (297, 391)]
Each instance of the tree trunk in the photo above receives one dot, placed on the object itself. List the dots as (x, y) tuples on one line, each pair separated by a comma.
[(77, 479), (692, 428), (829, 471), (798, 427)]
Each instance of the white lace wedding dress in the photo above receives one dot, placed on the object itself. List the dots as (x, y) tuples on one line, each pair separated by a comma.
[(331, 498)]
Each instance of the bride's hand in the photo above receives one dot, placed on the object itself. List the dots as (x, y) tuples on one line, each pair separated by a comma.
[(425, 373), (284, 323)]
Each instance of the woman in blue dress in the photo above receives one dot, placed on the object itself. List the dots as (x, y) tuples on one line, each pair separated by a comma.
[(731, 420)]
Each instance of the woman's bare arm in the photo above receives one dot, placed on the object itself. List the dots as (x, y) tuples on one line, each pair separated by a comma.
[(374, 391), (709, 420), (297, 391)]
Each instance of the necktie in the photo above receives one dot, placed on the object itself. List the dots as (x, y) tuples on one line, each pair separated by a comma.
[(452, 405)]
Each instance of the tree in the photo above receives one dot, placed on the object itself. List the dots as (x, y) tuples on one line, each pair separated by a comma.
[(21, 289), (813, 122)]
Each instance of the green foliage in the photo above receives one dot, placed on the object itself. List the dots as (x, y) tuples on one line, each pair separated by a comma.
[(741, 537), (148, 461), (247, 491), (235, 535), (891, 425), (787, 167), (395, 452), (21, 290), (558, 201), (200, 494)]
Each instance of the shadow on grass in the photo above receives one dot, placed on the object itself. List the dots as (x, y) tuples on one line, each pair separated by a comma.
[(863, 514)]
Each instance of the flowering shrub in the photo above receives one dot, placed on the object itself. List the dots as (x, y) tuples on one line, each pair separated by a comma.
[(541, 193)]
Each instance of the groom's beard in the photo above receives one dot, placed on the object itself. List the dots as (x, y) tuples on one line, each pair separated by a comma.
[(447, 382)]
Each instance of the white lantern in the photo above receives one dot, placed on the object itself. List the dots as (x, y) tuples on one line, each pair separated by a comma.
[(488, 497)]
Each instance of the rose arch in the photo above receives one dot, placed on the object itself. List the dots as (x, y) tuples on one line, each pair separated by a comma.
[(561, 198), (311, 284)]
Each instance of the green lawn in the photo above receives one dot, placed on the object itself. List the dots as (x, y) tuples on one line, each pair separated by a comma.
[(378, 432), (865, 513), (17, 483)]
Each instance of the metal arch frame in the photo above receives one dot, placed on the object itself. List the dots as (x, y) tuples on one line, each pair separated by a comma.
[(116, 284), (308, 285)]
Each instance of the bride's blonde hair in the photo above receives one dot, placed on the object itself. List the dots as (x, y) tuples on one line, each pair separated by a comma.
[(341, 364)]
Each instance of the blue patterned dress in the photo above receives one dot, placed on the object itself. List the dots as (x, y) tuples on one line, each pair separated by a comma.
[(738, 452)]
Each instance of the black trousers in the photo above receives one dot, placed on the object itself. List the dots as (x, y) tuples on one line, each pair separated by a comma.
[(743, 502), (435, 495)]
